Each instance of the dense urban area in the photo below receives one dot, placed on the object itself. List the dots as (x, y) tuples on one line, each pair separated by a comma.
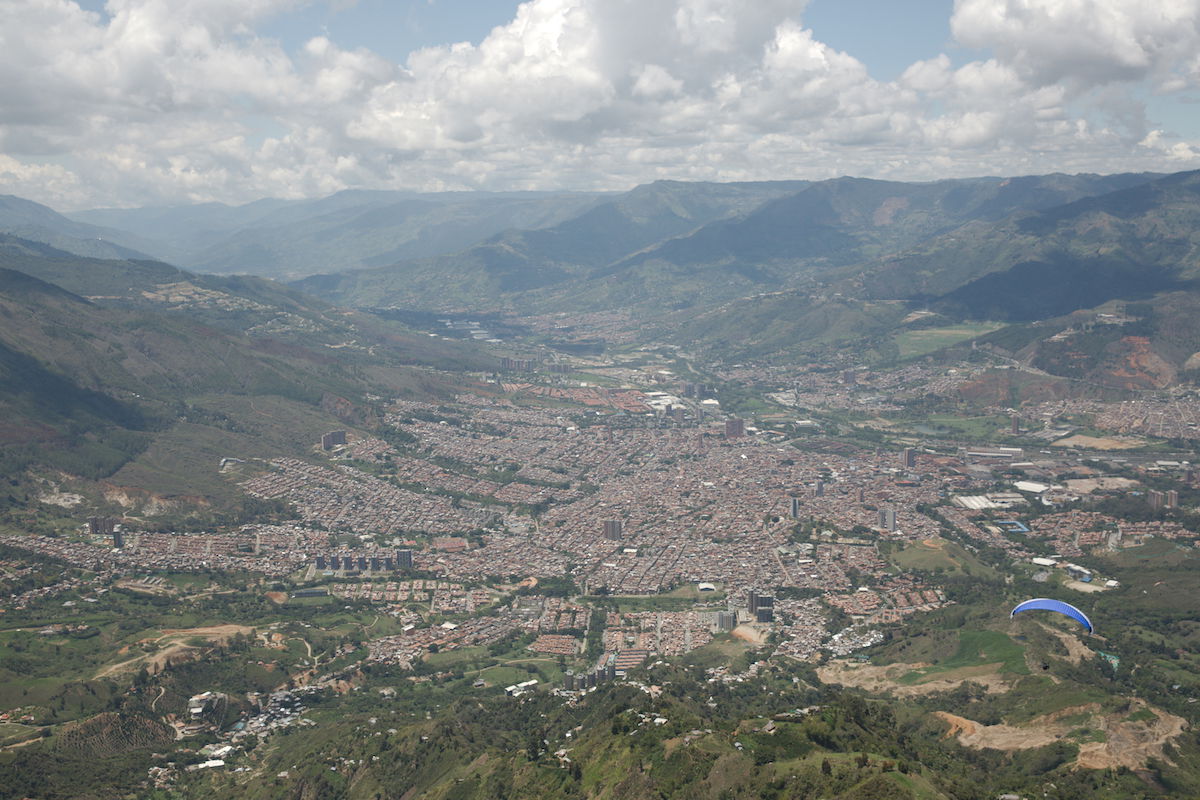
[(569, 525)]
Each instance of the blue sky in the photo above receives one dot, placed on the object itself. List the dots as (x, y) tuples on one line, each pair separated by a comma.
[(128, 102)]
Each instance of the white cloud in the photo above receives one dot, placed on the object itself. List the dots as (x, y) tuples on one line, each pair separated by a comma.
[(182, 99), (1086, 43)]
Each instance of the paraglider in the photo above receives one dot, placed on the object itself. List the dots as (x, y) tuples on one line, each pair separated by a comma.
[(1046, 604)]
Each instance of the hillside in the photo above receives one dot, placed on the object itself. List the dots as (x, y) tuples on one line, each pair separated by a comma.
[(673, 245), (351, 229), (502, 270), (1125, 244), (39, 223), (181, 374)]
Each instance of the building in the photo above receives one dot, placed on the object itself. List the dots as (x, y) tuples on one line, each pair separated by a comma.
[(757, 602), (819, 489), (614, 529), (518, 364), (726, 620), (887, 519), (1172, 498), (1156, 499), (404, 559), (735, 427), (764, 615), (450, 544), (908, 458), (796, 508), (333, 439)]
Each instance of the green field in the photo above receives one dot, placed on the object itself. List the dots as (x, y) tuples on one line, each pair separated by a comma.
[(450, 658), (927, 340), (723, 651), (942, 554), (976, 649)]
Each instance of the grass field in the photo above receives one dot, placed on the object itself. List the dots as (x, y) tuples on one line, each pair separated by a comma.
[(723, 651), (927, 340), (450, 658), (503, 676), (931, 554), (975, 649), (11, 732), (969, 427)]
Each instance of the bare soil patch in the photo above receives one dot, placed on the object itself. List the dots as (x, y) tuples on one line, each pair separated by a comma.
[(1086, 588), (1077, 651), (1098, 443), (887, 679), (748, 633), (1127, 743), (175, 648)]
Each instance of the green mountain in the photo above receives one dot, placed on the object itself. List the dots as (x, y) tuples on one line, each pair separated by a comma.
[(1137, 244), (157, 374), (38, 223), (351, 229), (1124, 244), (671, 245), (555, 260)]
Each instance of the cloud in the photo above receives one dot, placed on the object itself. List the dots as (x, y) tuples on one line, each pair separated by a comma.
[(1086, 43), (171, 100)]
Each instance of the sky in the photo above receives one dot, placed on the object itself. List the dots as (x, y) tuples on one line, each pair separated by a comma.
[(149, 102)]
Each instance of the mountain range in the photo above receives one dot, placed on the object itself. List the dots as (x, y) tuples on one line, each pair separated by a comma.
[(145, 376), (773, 270)]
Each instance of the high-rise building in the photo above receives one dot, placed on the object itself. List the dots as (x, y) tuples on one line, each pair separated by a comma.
[(1156, 499), (908, 458), (819, 489), (404, 559), (796, 506), (1015, 428), (756, 602), (887, 518), (764, 615), (518, 364), (614, 529), (1172, 498), (118, 537), (333, 439), (726, 620), (735, 427)]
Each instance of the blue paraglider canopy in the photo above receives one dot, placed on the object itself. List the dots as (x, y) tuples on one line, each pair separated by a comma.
[(1046, 604)]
